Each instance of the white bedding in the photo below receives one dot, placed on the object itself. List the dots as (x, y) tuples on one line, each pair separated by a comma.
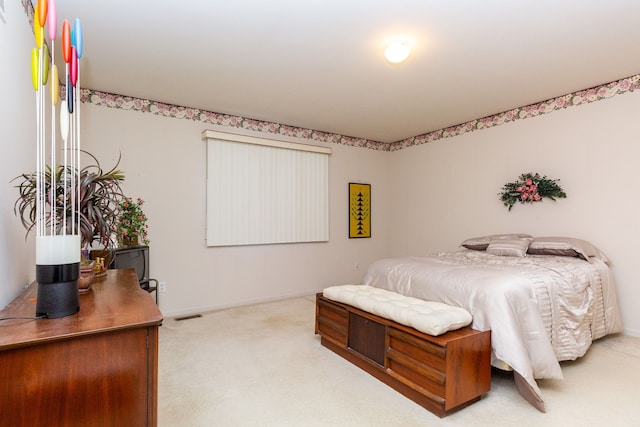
[(540, 309)]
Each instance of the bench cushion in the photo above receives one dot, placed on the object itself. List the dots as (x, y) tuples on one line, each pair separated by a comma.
[(430, 317)]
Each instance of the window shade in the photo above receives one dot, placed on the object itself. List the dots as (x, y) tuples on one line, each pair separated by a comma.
[(262, 191)]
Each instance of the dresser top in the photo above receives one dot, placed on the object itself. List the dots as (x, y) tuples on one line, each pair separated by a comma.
[(114, 302)]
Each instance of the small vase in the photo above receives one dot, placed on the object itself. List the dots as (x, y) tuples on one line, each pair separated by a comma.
[(87, 275)]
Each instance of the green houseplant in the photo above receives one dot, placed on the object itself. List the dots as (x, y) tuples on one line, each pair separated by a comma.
[(98, 206), (132, 223)]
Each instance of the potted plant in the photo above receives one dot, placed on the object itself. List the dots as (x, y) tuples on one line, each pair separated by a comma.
[(98, 207), (132, 224)]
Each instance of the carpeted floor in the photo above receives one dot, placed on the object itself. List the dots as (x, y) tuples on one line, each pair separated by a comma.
[(263, 365)]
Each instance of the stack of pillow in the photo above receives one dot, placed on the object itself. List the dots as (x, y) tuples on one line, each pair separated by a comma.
[(519, 245)]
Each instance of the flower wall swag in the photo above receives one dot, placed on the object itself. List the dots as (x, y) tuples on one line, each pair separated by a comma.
[(530, 188)]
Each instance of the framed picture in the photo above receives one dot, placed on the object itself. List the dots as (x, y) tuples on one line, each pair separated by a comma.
[(359, 210)]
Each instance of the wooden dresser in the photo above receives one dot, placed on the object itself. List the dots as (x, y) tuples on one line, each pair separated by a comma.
[(98, 367), (441, 373)]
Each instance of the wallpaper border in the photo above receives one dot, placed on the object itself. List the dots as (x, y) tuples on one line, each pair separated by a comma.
[(581, 97), (179, 112), (586, 96)]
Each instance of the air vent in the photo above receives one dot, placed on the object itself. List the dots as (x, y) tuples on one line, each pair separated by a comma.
[(193, 316)]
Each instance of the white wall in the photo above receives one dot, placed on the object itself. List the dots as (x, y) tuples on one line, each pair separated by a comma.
[(17, 148), (447, 190), (165, 164), (425, 198)]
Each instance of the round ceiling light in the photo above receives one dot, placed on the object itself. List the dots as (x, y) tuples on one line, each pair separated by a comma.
[(397, 51)]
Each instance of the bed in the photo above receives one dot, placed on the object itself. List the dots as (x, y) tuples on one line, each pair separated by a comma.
[(545, 299)]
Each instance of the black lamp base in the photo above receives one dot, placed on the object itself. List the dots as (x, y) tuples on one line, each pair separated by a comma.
[(57, 290)]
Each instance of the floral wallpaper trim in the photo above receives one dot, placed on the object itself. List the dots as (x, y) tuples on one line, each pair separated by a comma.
[(581, 97), (586, 96), (177, 112), (168, 110)]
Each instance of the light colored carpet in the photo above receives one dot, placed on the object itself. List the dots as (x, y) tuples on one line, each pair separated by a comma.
[(263, 365)]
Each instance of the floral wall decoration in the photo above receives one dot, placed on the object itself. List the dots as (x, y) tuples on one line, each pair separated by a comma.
[(598, 93), (530, 188), (581, 97), (586, 96)]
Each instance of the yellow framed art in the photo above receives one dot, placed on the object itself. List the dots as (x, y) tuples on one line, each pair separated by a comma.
[(359, 210)]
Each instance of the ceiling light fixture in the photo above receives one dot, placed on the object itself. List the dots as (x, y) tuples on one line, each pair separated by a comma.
[(397, 51)]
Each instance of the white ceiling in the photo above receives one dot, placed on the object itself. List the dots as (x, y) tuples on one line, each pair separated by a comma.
[(318, 64)]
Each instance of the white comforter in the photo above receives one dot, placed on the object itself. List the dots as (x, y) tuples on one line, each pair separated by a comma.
[(540, 309)]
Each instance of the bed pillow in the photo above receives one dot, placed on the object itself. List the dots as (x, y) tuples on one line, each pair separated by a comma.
[(515, 246), (565, 246), (481, 243)]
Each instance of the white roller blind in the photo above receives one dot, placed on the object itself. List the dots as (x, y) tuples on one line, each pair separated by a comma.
[(262, 191)]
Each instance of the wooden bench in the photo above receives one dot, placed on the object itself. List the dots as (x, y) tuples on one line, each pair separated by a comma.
[(441, 373)]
